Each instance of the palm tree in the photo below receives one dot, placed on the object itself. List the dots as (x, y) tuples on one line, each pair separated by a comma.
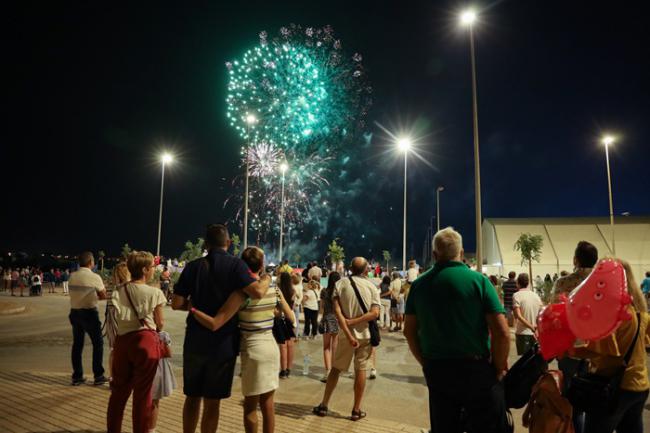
[(530, 247), (387, 257)]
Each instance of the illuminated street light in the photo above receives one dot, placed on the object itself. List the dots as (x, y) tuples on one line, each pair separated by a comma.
[(468, 18), (165, 159), (608, 140), (404, 144)]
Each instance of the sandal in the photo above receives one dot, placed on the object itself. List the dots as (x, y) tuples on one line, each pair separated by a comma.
[(320, 410), (357, 415)]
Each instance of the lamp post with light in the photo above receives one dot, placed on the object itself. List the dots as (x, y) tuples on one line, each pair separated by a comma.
[(165, 159), (404, 145), (468, 18), (438, 191), (250, 120), (607, 141), (283, 168)]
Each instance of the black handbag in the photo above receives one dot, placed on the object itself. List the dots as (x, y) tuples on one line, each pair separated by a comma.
[(522, 376), (375, 336), (282, 327), (590, 392)]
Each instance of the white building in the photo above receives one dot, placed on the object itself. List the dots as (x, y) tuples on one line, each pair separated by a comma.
[(561, 235)]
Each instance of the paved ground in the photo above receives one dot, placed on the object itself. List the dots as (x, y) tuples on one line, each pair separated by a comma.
[(35, 370)]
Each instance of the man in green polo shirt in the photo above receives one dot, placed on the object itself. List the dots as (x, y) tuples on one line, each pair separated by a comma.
[(451, 312)]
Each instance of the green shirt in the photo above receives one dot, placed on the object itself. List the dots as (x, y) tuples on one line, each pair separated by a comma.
[(450, 302)]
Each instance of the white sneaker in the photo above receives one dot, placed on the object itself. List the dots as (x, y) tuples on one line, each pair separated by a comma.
[(373, 373)]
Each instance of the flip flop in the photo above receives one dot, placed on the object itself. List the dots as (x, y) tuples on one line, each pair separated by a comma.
[(320, 410), (357, 415)]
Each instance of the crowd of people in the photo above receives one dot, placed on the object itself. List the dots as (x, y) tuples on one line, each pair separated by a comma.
[(33, 279), (456, 322)]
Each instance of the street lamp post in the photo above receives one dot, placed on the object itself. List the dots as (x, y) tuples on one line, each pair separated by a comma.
[(165, 159), (438, 190), (250, 120), (283, 168), (607, 141), (404, 145), (468, 18)]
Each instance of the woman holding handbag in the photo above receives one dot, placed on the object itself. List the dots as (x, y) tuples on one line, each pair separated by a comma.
[(607, 358), (259, 352), (138, 310)]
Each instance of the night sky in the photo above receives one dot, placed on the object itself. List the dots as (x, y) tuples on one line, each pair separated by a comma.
[(96, 92)]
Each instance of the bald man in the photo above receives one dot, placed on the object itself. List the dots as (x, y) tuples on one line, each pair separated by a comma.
[(354, 324)]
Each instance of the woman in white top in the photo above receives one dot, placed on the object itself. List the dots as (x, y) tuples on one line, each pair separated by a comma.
[(138, 309), (310, 298)]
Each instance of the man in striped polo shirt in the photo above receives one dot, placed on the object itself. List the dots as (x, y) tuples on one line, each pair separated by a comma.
[(86, 288)]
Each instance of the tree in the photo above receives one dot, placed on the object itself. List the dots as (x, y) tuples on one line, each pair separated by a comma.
[(101, 254), (236, 243), (126, 250), (192, 250), (530, 248), (337, 253), (387, 257)]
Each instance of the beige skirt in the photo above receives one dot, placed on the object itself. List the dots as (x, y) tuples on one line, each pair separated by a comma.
[(260, 363)]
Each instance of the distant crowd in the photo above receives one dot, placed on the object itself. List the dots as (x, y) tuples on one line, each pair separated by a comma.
[(17, 280)]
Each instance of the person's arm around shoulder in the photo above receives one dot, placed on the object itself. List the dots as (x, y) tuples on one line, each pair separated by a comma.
[(225, 313)]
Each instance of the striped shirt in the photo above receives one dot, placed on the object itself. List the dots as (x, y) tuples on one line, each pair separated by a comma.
[(84, 286), (257, 314)]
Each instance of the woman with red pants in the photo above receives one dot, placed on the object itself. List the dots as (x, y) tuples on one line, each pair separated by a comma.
[(136, 353)]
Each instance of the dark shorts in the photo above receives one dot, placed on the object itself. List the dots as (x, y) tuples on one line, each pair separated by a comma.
[(524, 342), (205, 377)]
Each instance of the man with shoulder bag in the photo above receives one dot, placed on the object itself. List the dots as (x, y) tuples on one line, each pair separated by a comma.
[(356, 304)]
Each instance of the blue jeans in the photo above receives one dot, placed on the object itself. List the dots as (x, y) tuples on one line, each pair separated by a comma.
[(469, 386), (86, 321), (626, 418)]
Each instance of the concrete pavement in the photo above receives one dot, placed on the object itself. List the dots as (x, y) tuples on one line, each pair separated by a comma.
[(35, 371)]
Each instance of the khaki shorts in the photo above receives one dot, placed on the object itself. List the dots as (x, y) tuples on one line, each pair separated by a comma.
[(345, 352)]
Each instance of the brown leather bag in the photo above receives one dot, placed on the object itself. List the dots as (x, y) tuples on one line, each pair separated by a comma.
[(547, 410)]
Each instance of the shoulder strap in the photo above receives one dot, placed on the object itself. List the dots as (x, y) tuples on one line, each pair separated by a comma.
[(142, 321), (628, 355), (359, 298)]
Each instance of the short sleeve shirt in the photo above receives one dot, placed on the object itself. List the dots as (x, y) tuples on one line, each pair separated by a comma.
[(145, 300), (84, 286), (509, 288), (350, 305), (530, 304), (207, 282), (450, 302)]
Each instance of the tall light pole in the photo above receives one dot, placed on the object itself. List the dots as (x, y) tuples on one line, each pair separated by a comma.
[(250, 120), (607, 141), (438, 190), (468, 18), (404, 145), (165, 159), (283, 168)]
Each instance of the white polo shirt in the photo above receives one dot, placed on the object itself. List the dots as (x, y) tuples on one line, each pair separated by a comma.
[(350, 305), (84, 286)]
